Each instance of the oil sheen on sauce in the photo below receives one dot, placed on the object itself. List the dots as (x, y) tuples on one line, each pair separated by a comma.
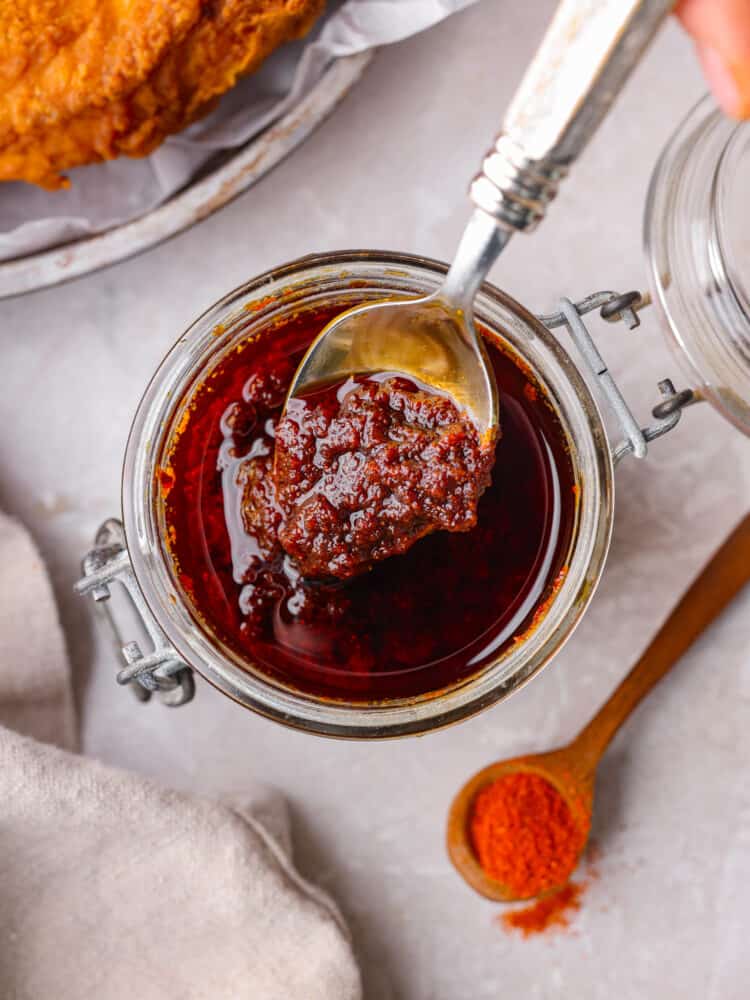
[(415, 623)]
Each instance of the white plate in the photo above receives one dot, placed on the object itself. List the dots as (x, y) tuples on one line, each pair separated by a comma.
[(195, 202)]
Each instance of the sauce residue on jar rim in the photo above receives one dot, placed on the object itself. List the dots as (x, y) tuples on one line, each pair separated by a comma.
[(414, 625)]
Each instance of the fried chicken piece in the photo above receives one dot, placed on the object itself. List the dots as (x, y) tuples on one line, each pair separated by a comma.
[(88, 80)]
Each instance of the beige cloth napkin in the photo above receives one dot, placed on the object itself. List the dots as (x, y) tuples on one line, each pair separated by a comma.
[(112, 887), (35, 691)]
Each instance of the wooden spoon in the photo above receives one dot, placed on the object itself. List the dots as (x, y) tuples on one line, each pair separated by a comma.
[(572, 768)]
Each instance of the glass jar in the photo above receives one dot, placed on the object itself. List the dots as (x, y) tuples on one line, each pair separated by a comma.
[(696, 245), (343, 279), (697, 237)]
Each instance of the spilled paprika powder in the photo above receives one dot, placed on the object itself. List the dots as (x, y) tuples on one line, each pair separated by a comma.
[(524, 834), (551, 911)]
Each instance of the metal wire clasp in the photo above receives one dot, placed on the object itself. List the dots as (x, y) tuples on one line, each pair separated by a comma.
[(161, 670), (614, 307)]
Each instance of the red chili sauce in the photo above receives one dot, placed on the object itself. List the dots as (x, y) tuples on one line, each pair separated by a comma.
[(414, 623), (365, 467)]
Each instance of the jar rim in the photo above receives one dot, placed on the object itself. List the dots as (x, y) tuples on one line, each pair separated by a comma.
[(579, 416)]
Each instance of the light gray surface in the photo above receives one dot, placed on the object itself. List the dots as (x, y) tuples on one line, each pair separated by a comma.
[(668, 915)]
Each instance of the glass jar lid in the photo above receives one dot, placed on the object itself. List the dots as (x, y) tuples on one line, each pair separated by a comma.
[(697, 238)]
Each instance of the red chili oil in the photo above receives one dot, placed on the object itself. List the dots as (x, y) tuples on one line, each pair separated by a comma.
[(415, 623)]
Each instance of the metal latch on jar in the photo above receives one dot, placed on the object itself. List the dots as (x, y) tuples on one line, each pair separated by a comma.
[(161, 670), (612, 307)]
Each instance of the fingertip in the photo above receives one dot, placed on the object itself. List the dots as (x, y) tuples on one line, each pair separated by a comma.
[(730, 84)]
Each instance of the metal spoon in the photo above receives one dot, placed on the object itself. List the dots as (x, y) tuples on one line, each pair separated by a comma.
[(572, 768), (587, 54)]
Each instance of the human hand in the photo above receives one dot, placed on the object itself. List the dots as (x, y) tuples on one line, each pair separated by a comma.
[(721, 31)]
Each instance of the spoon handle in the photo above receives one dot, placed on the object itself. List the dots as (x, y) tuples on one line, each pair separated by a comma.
[(589, 50), (719, 581)]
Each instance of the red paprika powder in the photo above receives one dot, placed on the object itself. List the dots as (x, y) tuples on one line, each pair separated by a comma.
[(525, 835)]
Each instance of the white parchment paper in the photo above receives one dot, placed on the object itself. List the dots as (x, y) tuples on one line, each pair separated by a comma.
[(104, 195)]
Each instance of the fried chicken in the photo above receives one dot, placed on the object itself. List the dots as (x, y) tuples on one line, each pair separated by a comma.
[(88, 80)]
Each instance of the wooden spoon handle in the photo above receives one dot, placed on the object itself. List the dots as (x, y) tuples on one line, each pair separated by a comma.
[(708, 595)]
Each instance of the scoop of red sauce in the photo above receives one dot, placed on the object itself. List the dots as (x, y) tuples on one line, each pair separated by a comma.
[(413, 624), (366, 467)]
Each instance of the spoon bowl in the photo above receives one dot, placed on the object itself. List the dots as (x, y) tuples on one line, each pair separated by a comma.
[(422, 339), (559, 768), (431, 340)]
